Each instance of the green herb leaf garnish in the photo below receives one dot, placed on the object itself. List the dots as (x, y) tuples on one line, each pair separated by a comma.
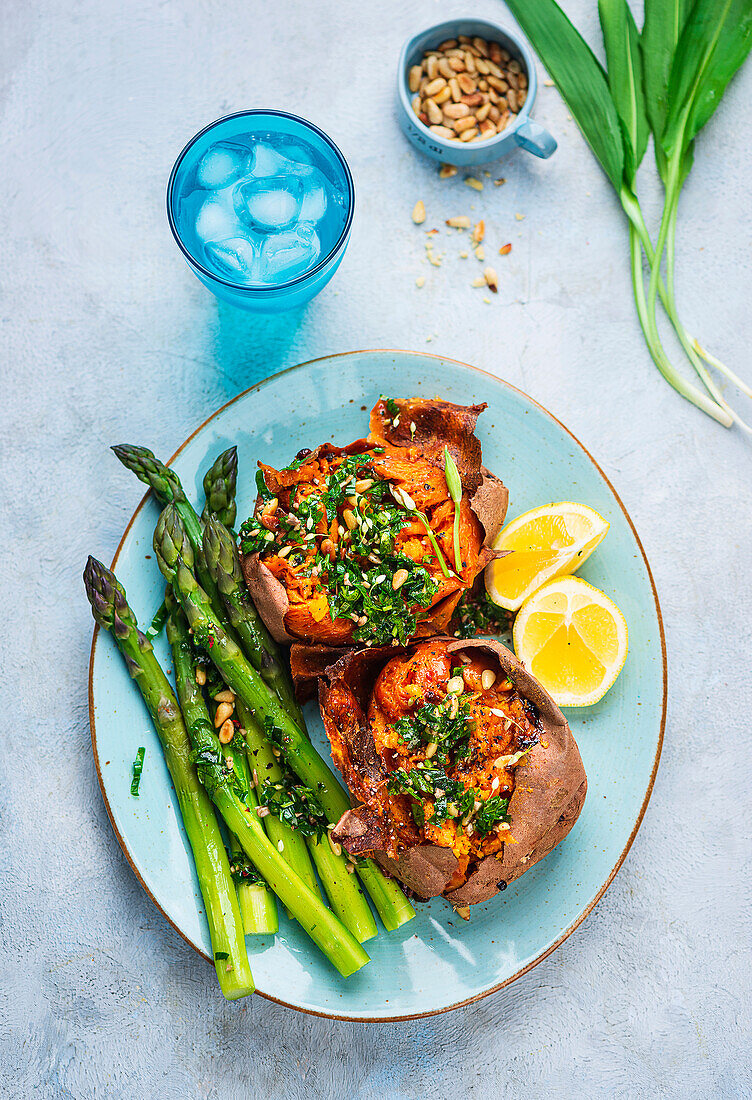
[(454, 485), (138, 767)]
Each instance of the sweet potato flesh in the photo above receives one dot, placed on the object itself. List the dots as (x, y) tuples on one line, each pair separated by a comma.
[(498, 725), (303, 560)]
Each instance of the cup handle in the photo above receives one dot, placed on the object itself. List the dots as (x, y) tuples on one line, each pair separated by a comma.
[(535, 139)]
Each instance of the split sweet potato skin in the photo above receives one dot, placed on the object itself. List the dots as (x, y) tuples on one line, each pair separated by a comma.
[(549, 782), (423, 429)]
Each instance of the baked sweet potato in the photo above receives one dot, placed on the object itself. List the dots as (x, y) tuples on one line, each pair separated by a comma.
[(355, 545), (462, 770)]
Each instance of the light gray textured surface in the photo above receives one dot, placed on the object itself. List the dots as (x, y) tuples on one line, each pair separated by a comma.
[(107, 337)]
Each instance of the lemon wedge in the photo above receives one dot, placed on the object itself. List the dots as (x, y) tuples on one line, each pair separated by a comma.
[(551, 541), (573, 639)]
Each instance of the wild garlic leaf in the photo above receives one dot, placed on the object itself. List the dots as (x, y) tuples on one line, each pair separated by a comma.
[(454, 485), (662, 29), (715, 42), (578, 76), (452, 475), (625, 79)]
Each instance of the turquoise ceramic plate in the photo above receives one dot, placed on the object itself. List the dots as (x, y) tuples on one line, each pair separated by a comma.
[(437, 961)]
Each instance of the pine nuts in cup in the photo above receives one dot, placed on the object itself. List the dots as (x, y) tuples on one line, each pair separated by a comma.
[(458, 85)]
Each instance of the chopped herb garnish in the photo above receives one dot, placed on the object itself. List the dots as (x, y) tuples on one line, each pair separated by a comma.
[(242, 870), (476, 614), (138, 767), (295, 805), (492, 813), (450, 798), (158, 622), (437, 724)]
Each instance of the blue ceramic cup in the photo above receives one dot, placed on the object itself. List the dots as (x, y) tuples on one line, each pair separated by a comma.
[(270, 127), (521, 131)]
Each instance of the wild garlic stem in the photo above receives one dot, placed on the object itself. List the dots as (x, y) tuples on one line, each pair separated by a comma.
[(652, 338)]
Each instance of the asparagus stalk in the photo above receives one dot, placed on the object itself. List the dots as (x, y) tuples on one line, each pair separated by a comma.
[(342, 889), (263, 765), (257, 905), (223, 563), (220, 483), (337, 943), (167, 488), (298, 751), (111, 611)]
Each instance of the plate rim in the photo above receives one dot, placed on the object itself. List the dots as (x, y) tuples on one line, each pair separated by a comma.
[(648, 792)]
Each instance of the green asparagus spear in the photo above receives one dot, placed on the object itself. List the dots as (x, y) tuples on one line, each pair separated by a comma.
[(257, 905), (220, 482), (337, 943), (222, 561), (263, 765), (167, 488), (298, 751), (342, 888), (110, 609)]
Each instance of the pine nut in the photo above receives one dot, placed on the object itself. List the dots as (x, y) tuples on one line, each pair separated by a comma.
[(469, 135), (492, 279), (225, 696), (226, 732), (482, 67), (487, 679), (474, 100), (487, 128), (419, 216), (456, 64), (514, 66), (449, 44), (432, 66), (362, 486), (462, 222), (335, 847), (466, 83), (511, 98), (200, 675), (479, 231), (443, 95), (455, 685), (431, 750), (447, 171), (416, 75), (435, 85), (399, 579), (350, 520), (481, 45), (445, 68), (469, 61), (455, 90), (224, 710), (457, 110), (482, 112), (284, 551), (463, 124), (442, 131), (434, 112)]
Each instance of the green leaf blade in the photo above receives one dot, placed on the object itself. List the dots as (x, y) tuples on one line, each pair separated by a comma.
[(663, 26), (579, 77), (715, 42), (625, 79)]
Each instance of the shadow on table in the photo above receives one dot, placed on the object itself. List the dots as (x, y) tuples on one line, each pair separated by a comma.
[(251, 346)]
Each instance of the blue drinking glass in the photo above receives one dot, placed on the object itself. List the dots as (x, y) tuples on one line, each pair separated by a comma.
[(256, 231)]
